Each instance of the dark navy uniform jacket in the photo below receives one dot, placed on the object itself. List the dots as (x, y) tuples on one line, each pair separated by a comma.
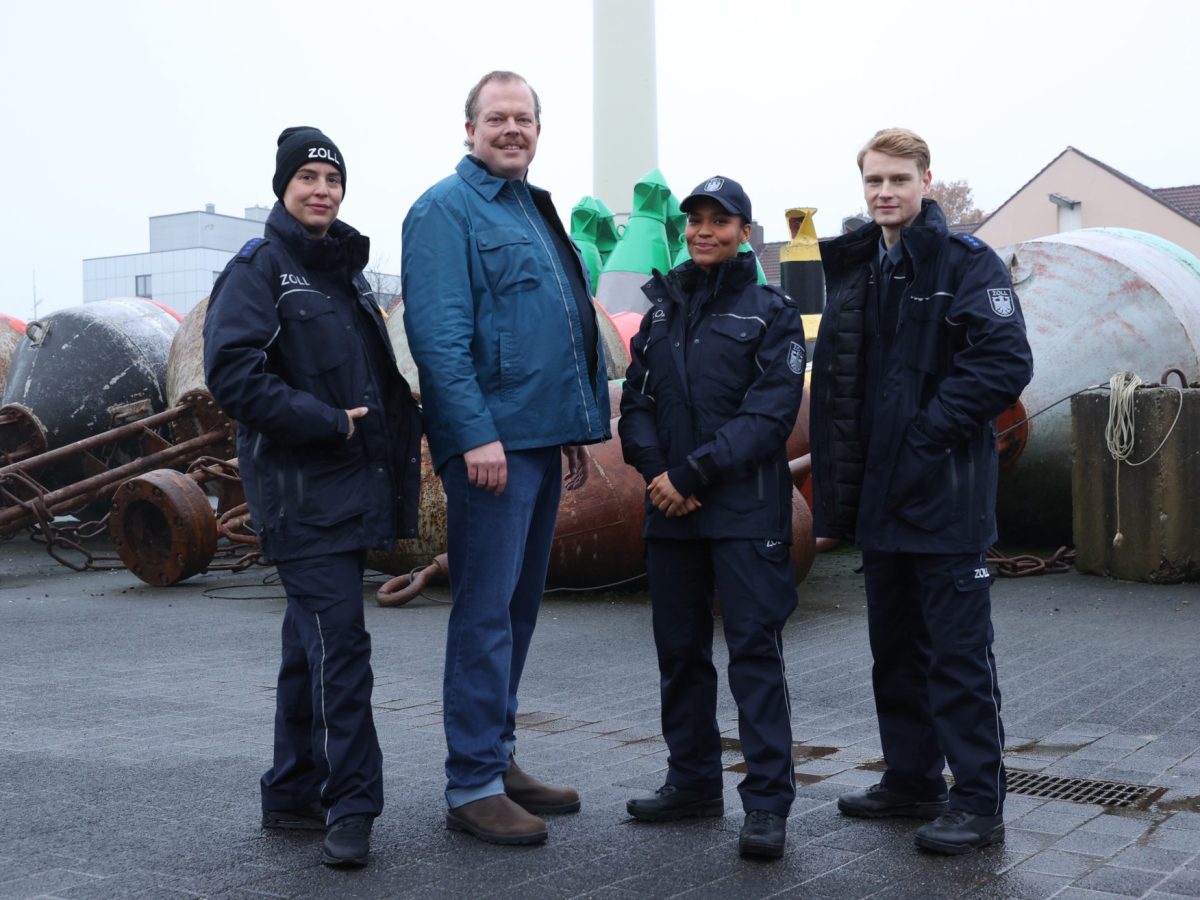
[(711, 395), (925, 482), (292, 339)]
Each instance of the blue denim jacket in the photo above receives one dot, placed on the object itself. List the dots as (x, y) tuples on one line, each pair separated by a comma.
[(491, 321)]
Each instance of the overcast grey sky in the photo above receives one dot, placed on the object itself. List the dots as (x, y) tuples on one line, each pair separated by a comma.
[(118, 110)]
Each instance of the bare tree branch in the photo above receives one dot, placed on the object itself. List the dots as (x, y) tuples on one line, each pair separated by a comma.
[(957, 201)]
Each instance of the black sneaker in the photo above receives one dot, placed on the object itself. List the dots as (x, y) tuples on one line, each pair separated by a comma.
[(763, 835), (303, 818), (959, 831), (348, 841), (877, 802), (670, 802)]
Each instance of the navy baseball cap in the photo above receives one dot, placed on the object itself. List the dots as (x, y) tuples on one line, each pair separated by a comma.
[(725, 191)]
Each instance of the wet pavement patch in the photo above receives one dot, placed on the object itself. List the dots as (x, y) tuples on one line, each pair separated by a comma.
[(800, 753), (1183, 804), (1037, 748)]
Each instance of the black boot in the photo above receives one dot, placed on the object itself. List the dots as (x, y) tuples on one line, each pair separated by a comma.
[(959, 831), (877, 802), (670, 802), (304, 818), (348, 841), (763, 835)]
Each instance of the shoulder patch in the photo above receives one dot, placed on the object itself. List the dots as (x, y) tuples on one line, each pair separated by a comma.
[(974, 244), (780, 293), (796, 358), (1001, 300), (250, 248)]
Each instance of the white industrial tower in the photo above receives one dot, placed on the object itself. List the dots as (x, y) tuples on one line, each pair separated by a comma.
[(625, 113)]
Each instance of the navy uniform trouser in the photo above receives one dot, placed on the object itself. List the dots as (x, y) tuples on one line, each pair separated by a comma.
[(326, 748), (936, 693), (756, 586)]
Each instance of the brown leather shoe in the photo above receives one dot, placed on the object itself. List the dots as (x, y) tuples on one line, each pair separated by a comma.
[(497, 820), (536, 797)]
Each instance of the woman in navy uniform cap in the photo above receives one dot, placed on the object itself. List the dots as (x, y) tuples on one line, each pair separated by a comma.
[(710, 397)]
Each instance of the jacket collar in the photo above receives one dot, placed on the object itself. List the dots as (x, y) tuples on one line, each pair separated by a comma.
[(923, 236), (920, 239), (688, 279), (343, 245), (471, 170)]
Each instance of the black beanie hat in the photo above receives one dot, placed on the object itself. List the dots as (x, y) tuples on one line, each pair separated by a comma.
[(298, 145)]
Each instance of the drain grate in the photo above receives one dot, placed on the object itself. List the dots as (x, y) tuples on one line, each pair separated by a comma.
[(1082, 790)]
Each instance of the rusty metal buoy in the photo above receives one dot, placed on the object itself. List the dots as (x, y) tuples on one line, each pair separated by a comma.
[(163, 527)]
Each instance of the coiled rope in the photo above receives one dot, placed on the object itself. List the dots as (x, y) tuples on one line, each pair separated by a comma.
[(1119, 432)]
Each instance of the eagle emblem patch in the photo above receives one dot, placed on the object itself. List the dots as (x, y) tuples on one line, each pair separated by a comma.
[(796, 358), (1002, 301)]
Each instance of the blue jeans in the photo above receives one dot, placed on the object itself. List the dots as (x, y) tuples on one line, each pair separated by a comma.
[(499, 549)]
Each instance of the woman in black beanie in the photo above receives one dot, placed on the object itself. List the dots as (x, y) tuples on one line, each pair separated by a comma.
[(296, 352)]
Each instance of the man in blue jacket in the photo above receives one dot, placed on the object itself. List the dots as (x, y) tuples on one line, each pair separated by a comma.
[(500, 322), (295, 350), (922, 344)]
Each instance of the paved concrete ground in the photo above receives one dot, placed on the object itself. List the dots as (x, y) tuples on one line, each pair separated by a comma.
[(135, 722)]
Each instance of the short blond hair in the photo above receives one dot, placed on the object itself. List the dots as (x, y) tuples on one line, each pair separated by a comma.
[(898, 142)]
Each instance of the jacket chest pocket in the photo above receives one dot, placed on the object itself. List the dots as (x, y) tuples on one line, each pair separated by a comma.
[(509, 259), (312, 337), (733, 342), (929, 335)]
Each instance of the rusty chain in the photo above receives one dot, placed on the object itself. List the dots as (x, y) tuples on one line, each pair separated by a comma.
[(1023, 565), (216, 469)]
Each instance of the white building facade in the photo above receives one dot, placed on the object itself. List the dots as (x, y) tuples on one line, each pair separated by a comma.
[(187, 252)]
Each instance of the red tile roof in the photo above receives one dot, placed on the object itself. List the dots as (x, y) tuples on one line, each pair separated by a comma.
[(768, 258), (1186, 199)]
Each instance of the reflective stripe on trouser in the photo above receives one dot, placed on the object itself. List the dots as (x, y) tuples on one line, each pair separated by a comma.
[(757, 592), (936, 691), (325, 743), (499, 549)]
